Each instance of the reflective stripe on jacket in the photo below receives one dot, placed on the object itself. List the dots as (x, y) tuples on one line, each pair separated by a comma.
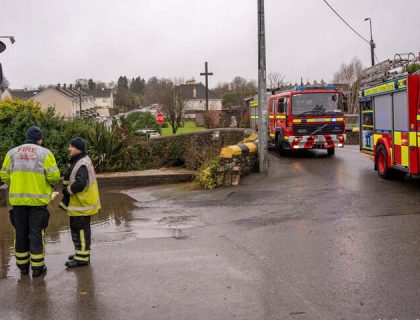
[(86, 202), (29, 170)]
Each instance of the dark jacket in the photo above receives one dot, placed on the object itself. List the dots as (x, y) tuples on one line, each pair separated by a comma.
[(82, 178)]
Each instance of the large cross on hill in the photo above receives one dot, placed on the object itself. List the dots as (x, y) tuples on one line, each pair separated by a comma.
[(206, 73)]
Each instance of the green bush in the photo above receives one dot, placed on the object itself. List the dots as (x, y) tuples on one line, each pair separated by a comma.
[(109, 148), (16, 116), (413, 67), (141, 120), (206, 177)]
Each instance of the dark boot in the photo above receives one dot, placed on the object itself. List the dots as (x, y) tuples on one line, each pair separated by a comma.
[(36, 272), (76, 263), (24, 270), (71, 257)]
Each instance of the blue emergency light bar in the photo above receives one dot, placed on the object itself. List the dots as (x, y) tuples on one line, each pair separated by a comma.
[(327, 87)]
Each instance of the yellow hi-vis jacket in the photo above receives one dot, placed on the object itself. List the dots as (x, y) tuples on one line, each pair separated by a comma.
[(86, 202), (29, 170)]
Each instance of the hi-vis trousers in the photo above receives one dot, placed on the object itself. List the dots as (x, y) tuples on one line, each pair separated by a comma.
[(80, 234), (30, 224)]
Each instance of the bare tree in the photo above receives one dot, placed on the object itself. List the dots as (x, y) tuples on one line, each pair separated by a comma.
[(242, 85), (348, 76), (275, 80), (173, 105), (221, 89), (84, 83), (349, 73)]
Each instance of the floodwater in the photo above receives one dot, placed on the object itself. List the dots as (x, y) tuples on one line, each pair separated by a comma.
[(125, 215), (114, 216)]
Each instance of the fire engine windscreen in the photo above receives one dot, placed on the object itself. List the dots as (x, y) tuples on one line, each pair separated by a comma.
[(323, 103)]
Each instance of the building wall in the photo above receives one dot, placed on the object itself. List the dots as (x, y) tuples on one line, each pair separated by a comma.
[(104, 104), (63, 105), (200, 105), (6, 95)]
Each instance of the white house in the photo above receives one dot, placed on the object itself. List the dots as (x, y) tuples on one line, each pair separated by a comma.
[(194, 97), (104, 101)]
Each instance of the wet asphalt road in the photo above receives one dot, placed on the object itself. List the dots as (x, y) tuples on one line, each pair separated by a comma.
[(318, 238)]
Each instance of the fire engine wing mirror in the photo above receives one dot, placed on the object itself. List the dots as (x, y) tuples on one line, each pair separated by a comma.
[(1, 77), (343, 100), (2, 47)]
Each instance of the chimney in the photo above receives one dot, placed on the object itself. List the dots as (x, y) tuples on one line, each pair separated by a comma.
[(58, 86), (64, 86), (71, 87)]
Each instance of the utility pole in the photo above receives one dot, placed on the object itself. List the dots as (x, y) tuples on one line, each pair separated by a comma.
[(262, 93), (372, 44), (80, 101), (206, 74)]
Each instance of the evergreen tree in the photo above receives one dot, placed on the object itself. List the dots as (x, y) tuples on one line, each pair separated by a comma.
[(91, 84), (122, 95), (137, 85)]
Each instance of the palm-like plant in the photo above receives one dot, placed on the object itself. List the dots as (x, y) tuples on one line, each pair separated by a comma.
[(105, 146)]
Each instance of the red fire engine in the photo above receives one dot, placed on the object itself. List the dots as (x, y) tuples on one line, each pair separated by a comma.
[(306, 117), (390, 120)]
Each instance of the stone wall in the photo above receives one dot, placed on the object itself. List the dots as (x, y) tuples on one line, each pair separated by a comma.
[(240, 159), (190, 150)]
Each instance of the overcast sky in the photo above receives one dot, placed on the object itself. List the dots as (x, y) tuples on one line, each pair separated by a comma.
[(59, 41)]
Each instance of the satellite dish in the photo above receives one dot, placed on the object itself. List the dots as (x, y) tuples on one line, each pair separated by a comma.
[(2, 47)]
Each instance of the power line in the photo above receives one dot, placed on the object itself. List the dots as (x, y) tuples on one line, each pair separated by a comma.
[(345, 22)]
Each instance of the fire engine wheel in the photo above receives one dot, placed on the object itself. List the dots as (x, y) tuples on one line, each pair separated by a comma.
[(381, 162), (283, 151), (280, 147), (330, 152)]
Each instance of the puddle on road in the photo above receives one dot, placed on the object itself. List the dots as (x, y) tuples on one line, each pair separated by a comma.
[(124, 216)]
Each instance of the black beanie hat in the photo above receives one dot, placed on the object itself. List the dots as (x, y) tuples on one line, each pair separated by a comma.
[(34, 134), (78, 143)]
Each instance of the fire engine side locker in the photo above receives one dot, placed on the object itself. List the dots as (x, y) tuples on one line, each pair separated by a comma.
[(394, 115), (367, 118), (401, 132)]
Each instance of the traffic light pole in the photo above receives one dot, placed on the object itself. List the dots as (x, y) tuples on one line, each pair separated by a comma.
[(262, 93)]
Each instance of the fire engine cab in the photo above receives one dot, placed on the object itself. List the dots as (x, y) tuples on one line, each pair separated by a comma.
[(390, 120), (306, 117)]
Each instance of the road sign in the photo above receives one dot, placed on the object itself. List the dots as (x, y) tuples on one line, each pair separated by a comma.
[(159, 118)]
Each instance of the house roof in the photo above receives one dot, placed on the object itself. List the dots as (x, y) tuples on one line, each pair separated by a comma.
[(23, 93), (187, 92), (69, 92), (99, 93)]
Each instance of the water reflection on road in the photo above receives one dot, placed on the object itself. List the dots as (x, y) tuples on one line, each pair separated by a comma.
[(114, 216)]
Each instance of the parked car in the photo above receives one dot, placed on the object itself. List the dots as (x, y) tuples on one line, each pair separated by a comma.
[(153, 134), (149, 133)]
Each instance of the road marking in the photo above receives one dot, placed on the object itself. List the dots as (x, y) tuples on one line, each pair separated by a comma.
[(343, 149)]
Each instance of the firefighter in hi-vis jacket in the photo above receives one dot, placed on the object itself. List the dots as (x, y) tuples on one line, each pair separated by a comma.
[(30, 170), (81, 200)]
